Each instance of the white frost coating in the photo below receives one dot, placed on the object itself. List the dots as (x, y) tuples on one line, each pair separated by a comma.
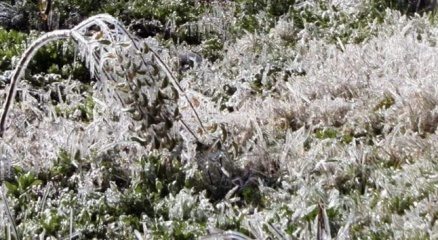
[(339, 88)]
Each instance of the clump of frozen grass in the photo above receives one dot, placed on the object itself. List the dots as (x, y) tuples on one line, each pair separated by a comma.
[(359, 116)]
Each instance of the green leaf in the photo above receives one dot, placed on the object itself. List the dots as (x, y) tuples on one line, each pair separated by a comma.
[(165, 82), (104, 42), (12, 188)]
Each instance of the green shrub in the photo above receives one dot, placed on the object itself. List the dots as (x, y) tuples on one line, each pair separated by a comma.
[(11, 45)]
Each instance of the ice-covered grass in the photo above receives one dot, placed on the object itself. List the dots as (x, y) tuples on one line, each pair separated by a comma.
[(306, 134)]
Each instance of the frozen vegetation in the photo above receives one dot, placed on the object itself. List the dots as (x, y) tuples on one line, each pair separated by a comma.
[(223, 120)]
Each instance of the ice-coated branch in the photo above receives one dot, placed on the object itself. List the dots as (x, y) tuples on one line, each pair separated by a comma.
[(22, 65), (110, 30)]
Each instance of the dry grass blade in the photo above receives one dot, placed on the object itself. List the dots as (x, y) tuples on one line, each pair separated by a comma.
[(71, 224), (8, 212), (323, 226)]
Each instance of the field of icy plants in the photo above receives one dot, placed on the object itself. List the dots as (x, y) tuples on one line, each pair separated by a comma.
[(239, 120)]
